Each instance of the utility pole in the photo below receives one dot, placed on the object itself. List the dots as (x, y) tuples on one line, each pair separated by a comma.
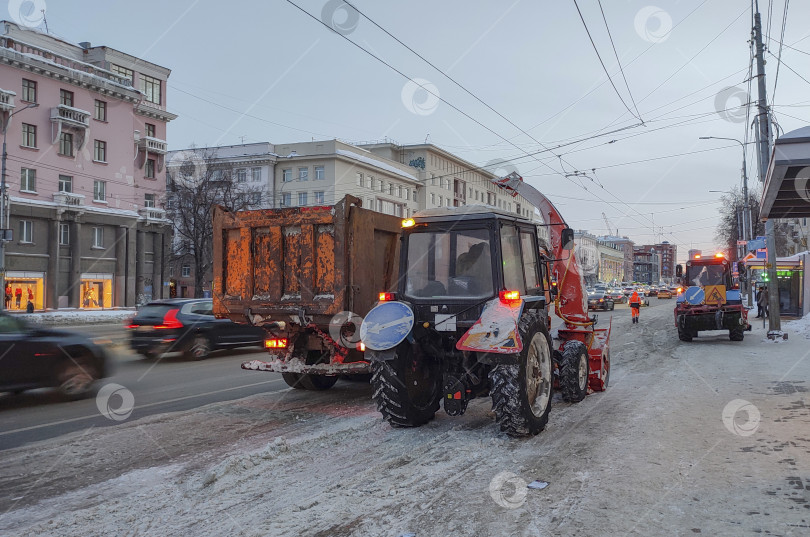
[(763, 141)]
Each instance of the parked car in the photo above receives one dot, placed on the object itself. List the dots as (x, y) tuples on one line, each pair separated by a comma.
[(600, 301), (664, 292), (188, 326), (38, 357)]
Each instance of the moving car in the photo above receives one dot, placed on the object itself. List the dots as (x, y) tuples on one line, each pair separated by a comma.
[(617, 296), (653, 291), (188, 326), (600, 301), (664, 292), (38, 357)]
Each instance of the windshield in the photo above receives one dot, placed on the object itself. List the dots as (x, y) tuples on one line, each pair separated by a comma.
[(703, 275), (449, 264)]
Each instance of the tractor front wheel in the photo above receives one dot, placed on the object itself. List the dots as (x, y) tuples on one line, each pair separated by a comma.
[(407, 389), (574, 369)]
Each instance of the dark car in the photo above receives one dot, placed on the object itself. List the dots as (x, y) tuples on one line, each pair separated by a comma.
[(600, 301), (617, 296), (188, 326), (36, 357)]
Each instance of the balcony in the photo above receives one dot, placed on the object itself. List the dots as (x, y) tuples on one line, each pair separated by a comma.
[(70, 117), (153, 145), (7, 100), (152, 214), (68, 199)]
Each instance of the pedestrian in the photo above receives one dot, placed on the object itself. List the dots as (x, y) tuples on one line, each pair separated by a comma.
[(18, 296), (635, 305), (762, 302), (765, 295)]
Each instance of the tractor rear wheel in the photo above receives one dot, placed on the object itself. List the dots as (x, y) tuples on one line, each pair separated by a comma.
[(521, 393), (684, 335), (407, 389), (736, 334), (574, 369)]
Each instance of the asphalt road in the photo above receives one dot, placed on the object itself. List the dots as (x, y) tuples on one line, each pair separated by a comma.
[(167, 385)]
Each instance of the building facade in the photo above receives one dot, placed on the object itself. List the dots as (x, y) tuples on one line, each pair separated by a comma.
[(626, 246), (86, 148), (646, 266), (586, 249), (611, 263), (669, 256)]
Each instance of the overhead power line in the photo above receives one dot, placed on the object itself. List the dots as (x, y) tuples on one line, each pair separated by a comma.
[(618, 61)]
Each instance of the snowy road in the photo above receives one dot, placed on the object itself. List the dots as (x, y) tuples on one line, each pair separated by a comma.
[(651, 456)]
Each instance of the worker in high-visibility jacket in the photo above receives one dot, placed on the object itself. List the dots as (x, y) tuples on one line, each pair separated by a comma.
[(635, 305)]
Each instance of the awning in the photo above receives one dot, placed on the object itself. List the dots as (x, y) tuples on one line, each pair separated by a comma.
[(787, 185)]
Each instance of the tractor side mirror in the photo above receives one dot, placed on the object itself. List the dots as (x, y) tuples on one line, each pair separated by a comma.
[(679, 271), (567, 239)]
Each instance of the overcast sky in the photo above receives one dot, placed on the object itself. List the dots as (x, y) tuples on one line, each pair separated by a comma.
[(265, 71)]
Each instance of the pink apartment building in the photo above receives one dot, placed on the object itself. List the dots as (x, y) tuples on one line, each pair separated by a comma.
[(85, 177)]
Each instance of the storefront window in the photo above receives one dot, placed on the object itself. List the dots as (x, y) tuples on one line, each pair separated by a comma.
[(24, 287), (96, 291)]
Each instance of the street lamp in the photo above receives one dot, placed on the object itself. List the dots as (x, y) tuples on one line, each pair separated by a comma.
[(3, 215), (746, 224)]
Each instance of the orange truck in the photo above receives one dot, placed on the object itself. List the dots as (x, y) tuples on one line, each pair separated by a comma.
[(308, 275)]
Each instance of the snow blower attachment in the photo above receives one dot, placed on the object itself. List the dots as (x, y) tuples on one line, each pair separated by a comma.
[(470, 318)]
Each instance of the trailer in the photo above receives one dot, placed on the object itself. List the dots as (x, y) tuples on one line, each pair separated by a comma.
[(308, 275)]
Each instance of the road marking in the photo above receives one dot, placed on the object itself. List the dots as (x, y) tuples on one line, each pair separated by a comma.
[(60, 422)]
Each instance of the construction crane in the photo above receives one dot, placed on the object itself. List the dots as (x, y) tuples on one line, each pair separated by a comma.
[(607, 224)]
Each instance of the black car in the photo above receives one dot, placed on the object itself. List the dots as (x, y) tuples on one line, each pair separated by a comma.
[(187, 326), (600, 301), (35, 357)]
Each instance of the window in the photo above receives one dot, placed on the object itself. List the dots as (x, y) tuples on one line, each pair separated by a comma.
[(432, 198), (512, 263), (99, 151), (256, 174), (66, 144), (149, 200), (99, 190), (66, 97), (29, 135), (529, 246), (320, 173), (390, 189), (303, 174), (319, 197), (286, 175), (64, 234), (381, 186), (370, 182), (255, 198), (28, 179), (98, 237), (414, 194), (100, 110), (122, 71), (286, 199), (29, 91), (241, 175), (149, 172), (26, 231), (150, 87), (302, 199), (185, 271), (359, 179), (65, 183), (150, 129)]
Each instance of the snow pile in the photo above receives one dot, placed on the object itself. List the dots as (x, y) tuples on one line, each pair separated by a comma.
[(798, 328), (245, 461), (76, 317)]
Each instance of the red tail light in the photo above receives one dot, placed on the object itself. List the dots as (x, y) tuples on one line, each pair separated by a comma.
[(170, 320), (387, 297), (275, 343), (509, 297)]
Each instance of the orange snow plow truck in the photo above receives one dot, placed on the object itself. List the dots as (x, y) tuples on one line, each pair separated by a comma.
[(308, 275)]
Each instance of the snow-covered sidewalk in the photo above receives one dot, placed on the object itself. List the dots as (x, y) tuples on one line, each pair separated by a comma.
[(75, 317)]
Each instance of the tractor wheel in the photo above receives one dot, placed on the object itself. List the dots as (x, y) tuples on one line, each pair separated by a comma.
[(521, 393), (736, 334), (574, 369), (293, 380), (317, 383), (407, 389), (684, 335)]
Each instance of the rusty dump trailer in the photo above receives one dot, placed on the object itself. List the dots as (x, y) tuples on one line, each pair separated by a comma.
[(308, 275)]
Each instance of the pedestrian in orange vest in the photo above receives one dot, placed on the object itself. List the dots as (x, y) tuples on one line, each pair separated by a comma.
[(635, 304)]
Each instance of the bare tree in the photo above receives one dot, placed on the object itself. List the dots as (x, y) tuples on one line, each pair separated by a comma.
[(199, 180), (729, 228)]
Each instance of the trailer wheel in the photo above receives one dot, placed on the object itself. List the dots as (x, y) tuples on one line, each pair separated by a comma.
[(574, 369), (684, 335), (736, 334), (293, 380), (521, 393), (407, 390), (317, 383)]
